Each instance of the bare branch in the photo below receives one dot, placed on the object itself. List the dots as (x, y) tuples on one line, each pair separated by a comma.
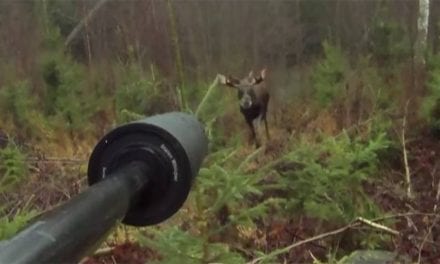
[(208, 93), (378, 226), (305, 241), (437, 197), (425, 238), (98, 253), (405, 155), (83, 22), (55, 159)]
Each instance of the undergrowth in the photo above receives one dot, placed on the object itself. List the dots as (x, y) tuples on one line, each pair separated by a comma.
[(238, 192), (13, 171), (232, 199), (326, 179)]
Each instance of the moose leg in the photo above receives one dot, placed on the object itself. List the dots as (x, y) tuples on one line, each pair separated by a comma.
[(266, 127), (253, 134), (263, 118)]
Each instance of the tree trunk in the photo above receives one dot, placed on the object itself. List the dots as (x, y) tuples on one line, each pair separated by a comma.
[(177, 55), (87, 32), (422, 32)]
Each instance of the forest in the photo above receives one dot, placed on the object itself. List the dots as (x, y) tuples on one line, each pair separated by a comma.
[(350, 171)]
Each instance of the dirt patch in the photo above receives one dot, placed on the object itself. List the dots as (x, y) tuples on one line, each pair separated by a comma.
[(123, 253)]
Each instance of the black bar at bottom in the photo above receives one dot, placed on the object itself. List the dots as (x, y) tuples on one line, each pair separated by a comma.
[(71, 231)]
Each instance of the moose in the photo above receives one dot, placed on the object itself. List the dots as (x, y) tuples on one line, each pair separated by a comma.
[(254, 99)]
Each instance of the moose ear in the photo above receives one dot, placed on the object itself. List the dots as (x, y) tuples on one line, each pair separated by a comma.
[(251, 74), (262, 76), (263, 73), (221, 79), (229, 81)]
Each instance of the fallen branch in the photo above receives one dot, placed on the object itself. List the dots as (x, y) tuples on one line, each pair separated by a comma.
[(378, 226), (357, 222), (99, 253), (103, 251), (305, 241), (54, 159), (382, 218)]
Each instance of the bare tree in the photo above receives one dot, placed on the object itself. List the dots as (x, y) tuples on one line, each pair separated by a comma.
[(177, 54)]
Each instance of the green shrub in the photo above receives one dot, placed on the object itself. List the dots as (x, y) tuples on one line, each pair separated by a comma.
[(225, 197), (389, 40), (19, 107), (329, 76), (13, 167), (132, 97), (138, 94), (430, 108), (355, 92), (13, 170), (179, 247), (327, 182), (16, 100), (375, 91), (67, 97), (214, 104), (10, 226), (225, 183)]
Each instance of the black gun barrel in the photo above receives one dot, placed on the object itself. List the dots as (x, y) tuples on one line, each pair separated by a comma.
[(140, 174), (72, 230)]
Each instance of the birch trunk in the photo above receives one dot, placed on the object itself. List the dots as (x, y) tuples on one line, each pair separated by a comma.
[(422, 31)]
